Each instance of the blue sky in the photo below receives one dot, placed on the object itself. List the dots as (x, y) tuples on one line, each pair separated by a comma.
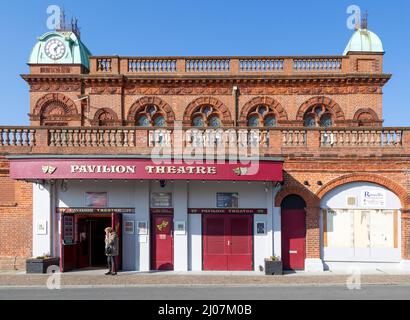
[(207, 27)]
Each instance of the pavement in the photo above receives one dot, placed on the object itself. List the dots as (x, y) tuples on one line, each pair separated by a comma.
[(96, 278)]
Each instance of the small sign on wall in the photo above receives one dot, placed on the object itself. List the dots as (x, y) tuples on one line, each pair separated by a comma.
[(180, 228), (129, 227), (142, 227), (374, 199), (42, 228), (96, 199), (261, 228)]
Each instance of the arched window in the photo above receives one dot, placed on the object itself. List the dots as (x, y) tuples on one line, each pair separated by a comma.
[(262, 115), (106, 119), (150, 116), (318, 116), (206, 116)]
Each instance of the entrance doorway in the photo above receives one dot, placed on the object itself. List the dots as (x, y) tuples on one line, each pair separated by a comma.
[(227, 243), (293, 233), (83, 240), (162, 252), (91, 233)]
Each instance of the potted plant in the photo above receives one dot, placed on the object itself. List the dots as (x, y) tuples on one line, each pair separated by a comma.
[(273, 266), (40, 265)]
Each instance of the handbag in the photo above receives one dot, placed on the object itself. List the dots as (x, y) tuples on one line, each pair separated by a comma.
[(108, 250)]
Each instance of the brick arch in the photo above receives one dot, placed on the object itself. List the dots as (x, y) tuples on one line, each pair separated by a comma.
[(311, 200), (368, 111), (270, 102), (376, 179), (221, 108), (333, 107), (105, 110), (145, 101), (58, 99), (114, 117)]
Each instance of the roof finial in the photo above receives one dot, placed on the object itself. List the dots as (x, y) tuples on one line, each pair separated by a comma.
[(365, 21), (61, 25)]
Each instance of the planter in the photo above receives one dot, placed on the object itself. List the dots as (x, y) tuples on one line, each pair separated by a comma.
[(273, 268), (40, 266)]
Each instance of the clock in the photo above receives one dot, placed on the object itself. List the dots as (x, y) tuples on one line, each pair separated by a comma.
[(55, 49)]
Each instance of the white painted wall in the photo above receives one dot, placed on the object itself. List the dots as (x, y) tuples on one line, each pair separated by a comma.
[(42, 212), (181, 215)]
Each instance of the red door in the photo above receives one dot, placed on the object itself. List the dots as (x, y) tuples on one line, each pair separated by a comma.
[(162, 242), (293, 239), (228, 243)]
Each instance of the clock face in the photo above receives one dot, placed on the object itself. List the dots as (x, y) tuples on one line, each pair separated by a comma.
[(55, 49)]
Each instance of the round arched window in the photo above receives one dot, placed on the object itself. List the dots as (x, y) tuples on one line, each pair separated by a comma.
[(150, 116), (262, 116), (318, 116), (206, 116)]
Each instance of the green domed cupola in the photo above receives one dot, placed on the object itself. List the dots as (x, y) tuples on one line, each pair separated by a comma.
[(60, 47), (363, 40)]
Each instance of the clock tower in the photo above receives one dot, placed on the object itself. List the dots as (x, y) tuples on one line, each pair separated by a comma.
[(58, 62)]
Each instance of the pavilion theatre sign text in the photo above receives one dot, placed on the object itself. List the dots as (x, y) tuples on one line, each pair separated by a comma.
[(119, 169), (142, 169)]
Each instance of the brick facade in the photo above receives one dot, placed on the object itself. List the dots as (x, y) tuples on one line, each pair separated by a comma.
[(352, 97)]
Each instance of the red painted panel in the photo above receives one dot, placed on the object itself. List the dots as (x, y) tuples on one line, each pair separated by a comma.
[(162, 242), (228, 243), (240, 246), (133, 169), (214, 255), (293, 239)]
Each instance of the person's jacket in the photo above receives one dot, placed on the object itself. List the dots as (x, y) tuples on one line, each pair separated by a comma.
[(112, 242)]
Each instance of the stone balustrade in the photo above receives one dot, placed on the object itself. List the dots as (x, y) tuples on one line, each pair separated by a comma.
[(221, 65), (269, 141)]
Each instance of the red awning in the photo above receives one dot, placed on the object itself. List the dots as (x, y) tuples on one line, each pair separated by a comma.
[(143, 169)]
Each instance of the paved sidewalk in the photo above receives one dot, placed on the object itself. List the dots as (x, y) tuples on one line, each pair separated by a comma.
[(97, 278)]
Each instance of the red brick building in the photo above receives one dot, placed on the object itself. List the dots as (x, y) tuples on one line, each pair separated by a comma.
[(332, 187)]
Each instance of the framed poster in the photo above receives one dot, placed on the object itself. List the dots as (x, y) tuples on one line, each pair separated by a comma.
[(129, 227), (180, 228), (96, 199), (227, 200), (374, 199), (142, 227), (68, 230), (41, 228), (161, 200), (261, 228)]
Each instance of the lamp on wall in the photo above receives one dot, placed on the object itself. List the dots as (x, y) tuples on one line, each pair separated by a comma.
[(163, 183)]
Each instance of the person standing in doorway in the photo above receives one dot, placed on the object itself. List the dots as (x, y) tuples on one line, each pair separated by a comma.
[(111, 250)]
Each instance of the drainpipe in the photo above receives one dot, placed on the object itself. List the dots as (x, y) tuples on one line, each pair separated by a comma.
[(236, 94)]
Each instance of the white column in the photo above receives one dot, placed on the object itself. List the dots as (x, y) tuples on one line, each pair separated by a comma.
[(195, 242), (42, 240), (181, 215), (142, 213), (277, 231)]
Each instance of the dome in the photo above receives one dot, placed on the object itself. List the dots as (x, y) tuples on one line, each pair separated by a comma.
[(60, 47), (364, 40)]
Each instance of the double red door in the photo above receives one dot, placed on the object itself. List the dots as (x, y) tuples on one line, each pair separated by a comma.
[(293, 239), (162, 252), (227, 243)]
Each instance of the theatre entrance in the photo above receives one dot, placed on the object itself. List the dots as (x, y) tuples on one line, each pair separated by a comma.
[(83, 240), (91, 250)]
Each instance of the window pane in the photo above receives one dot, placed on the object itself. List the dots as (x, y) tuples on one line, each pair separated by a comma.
[(310, 122), (214, 122), (152, 110), (144, 122), (253, 122), (159, 122), (270, 122), (198, 122), (326, 121)]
